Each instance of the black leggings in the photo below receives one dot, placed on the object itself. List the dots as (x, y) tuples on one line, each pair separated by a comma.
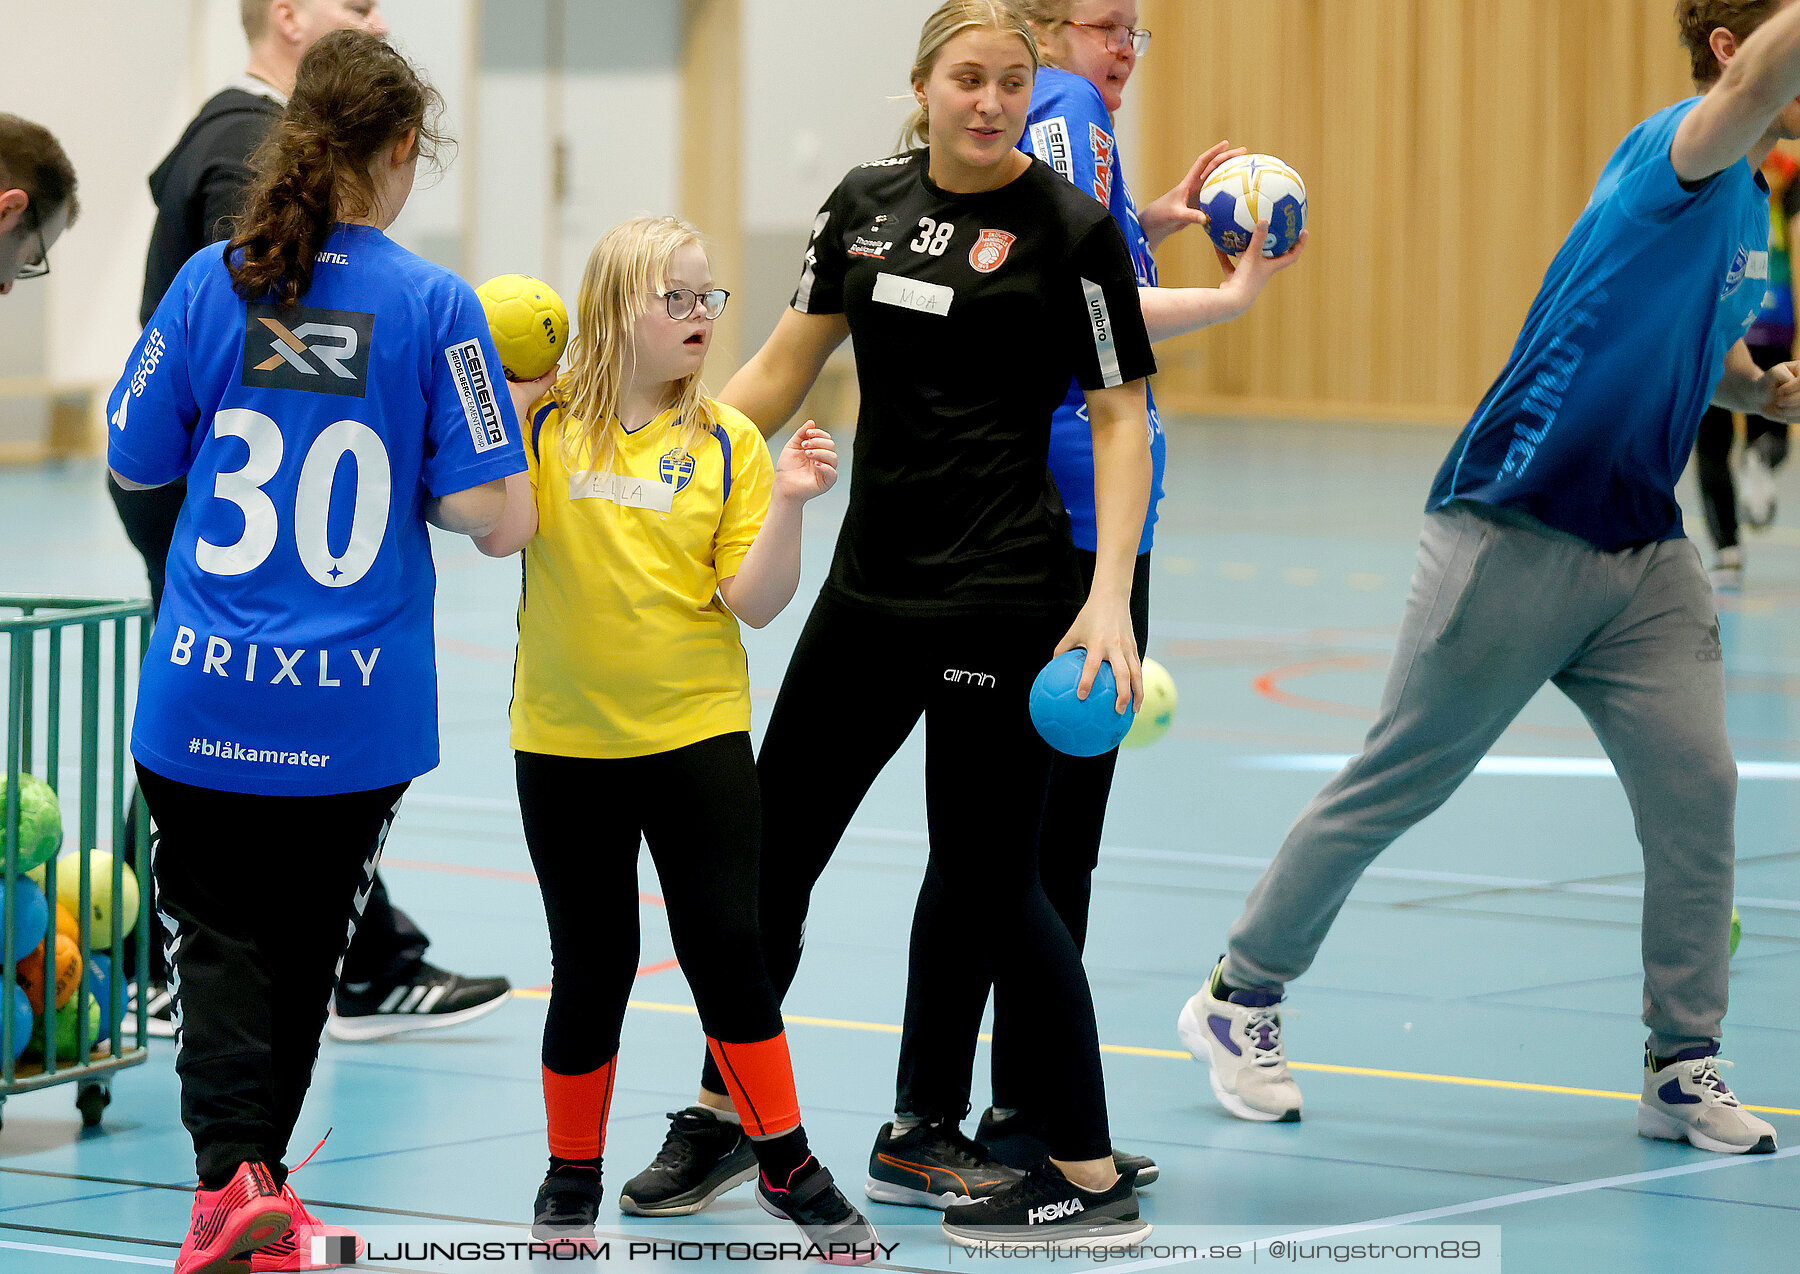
[(388, 945), (857, 684), (1068, 851), (1712, 454), (697, 808), (260, 895)]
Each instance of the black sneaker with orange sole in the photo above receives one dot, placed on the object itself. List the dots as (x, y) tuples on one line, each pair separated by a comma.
[(933, 1165)]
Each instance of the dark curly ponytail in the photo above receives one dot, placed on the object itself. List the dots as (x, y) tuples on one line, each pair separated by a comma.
[(355, 96)]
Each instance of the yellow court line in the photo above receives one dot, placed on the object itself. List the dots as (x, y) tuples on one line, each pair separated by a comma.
[(1127, 1050)]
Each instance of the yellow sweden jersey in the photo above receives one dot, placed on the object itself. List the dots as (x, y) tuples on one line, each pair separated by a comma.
[(624, 646)]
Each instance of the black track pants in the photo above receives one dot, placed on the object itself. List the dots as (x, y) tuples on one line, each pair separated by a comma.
[(259, 896), (857, 684), (1068, 850)]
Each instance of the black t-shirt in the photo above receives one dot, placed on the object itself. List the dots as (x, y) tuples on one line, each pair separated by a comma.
[(968, 315), (200, 185)]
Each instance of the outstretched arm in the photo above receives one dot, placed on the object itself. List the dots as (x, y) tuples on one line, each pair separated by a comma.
[(1761, 78), (1172, 312)]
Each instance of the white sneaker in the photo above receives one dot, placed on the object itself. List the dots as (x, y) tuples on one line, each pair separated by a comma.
[(1239, 1039), (1727, 574), (1687, 1101), (1756, 488)]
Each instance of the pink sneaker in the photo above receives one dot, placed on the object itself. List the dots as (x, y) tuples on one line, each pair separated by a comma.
[(296, 1249), (226, 1223)]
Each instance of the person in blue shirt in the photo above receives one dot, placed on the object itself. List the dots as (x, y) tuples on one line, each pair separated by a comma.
[(325, 393), (1090, 50), (1553, 552)]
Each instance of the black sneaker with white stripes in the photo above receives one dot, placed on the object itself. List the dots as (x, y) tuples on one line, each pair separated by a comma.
[(428, 999), (1047, 1209)]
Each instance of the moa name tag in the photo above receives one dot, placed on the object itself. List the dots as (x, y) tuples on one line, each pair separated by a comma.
[(632, 493), (913, 294)]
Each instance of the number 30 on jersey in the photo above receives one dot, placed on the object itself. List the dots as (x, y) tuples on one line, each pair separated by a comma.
[(243, 487)]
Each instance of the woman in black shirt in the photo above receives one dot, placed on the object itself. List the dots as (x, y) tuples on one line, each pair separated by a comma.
[(973, 281)]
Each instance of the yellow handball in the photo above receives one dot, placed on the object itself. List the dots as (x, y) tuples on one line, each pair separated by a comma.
[(528, 321), (1154, 718)]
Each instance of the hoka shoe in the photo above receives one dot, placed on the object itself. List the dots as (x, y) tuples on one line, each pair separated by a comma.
[(246, 1213), (1687, 1101), (812, 1201), (1046, 1208), (933, 1166), (1018, 1142), (1239, 1038), (296, 1250), (701, 1158)]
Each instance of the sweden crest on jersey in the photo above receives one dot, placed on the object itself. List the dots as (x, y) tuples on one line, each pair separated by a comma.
[(676, 468)]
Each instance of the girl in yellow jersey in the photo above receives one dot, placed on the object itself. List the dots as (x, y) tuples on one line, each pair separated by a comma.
[(652, 520)]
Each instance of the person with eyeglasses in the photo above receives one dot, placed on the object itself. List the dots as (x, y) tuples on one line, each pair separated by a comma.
[(37, 199), (1090, 49), (652, 523)]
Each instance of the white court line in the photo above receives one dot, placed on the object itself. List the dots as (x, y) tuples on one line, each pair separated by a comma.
[(1574, 767), (1126, 853), (92, 1256), (1500, 1201)]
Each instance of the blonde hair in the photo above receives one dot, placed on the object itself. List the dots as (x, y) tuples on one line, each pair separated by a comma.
[(952, 18), (624, 272)]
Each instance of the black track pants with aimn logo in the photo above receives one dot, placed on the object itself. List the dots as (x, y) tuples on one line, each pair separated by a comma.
[(858, 683)]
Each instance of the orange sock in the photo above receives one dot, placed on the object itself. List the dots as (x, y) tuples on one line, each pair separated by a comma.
[(577, 1106), (759, 1079)]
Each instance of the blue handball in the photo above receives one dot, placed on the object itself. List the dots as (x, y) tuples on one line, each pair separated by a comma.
[(1078, 727), (31, 916)]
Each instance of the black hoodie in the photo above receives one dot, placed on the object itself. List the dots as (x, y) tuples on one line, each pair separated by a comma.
[(200, 186)]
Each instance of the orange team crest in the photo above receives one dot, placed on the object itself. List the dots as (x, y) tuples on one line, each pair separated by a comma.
[(989, 252)]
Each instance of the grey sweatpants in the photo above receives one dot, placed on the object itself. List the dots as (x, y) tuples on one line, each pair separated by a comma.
[(1501, 604)]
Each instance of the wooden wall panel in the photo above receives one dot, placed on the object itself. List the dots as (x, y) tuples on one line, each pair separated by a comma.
[(1447, 146)]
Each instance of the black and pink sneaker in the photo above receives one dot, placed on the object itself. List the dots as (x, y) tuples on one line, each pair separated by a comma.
[(812, 1201), (249, 1211)]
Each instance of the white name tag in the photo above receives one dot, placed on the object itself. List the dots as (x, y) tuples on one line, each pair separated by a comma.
[(911, 294), (633, 493)]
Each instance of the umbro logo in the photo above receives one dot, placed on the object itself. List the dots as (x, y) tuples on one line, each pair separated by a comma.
[(1054, 1211)]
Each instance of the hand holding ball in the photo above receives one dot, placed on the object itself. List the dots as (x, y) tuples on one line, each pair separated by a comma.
[(1072, 725), (528, 321), (1249, 189)]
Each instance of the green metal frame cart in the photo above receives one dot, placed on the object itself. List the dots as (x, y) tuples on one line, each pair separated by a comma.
[(70, 666)]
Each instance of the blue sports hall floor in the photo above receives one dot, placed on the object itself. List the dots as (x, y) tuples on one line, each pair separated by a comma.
[(1468, 1041)]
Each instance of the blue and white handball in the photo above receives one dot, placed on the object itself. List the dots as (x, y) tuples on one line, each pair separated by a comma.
[(1249, 189)]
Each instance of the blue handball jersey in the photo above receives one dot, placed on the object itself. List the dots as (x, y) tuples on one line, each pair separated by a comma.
[(1593, 418), (294, 652), (1070, 129)]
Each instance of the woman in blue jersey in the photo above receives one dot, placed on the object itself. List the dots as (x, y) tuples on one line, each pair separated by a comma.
[(1090, 49), (325, 393)]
